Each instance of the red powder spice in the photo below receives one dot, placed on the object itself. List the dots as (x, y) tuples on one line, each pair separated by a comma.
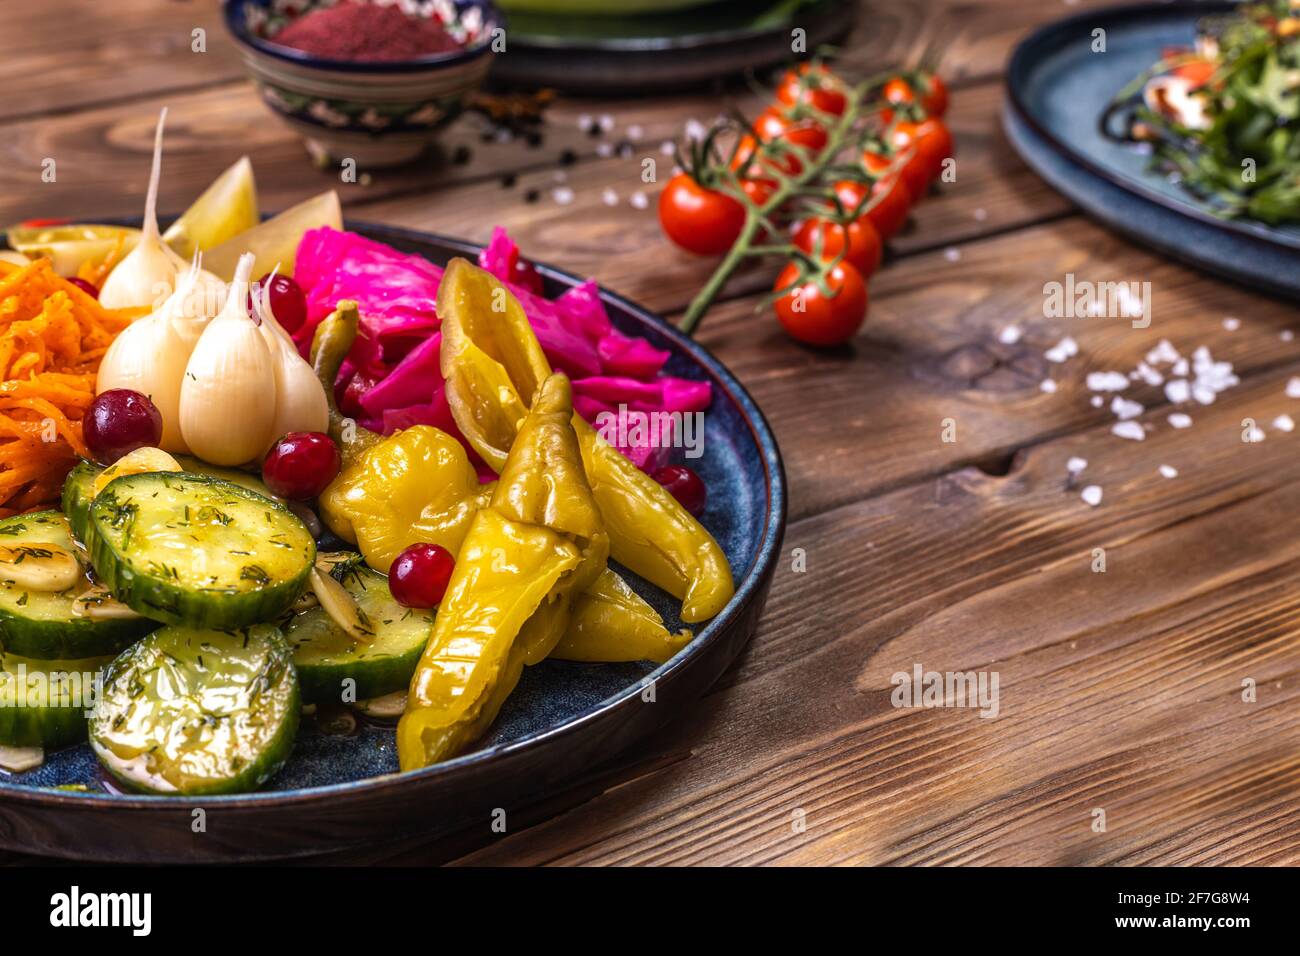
[(365, 32)]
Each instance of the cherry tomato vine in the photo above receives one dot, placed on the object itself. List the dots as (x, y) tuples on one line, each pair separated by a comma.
[(822, 177)]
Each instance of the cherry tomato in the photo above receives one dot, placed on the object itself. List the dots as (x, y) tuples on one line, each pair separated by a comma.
[(1196, 72), (420, 574), (301, 464), (930, 138), (934, 100), (118, 421), (811, 317), (773, 124), (889, 212), (703, 221), (934, 97), (684, 485), (908, 167), (897, 92), (864, 248), (816, 87)]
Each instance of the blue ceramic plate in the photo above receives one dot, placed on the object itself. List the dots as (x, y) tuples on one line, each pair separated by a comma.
[(1057, 90), (562, 720)]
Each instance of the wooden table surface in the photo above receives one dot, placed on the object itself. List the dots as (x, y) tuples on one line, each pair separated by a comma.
[(1120, 691)]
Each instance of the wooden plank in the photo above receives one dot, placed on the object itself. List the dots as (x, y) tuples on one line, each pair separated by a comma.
[(59, 56), (1118, 690), (857, 421)]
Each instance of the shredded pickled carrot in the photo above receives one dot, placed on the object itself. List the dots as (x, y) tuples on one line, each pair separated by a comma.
[(52, 338)]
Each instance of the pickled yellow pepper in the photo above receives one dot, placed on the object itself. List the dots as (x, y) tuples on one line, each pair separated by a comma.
[(539, 543), (493, 365)]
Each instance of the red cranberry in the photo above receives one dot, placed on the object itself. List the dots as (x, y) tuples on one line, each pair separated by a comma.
[(420, 574), (120, 421), (684, 485), (301, 465), (85, 287), (288, 301)]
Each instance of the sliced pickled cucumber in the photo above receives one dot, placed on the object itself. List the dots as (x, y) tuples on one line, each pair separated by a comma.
[(198, 551), (44, 624), (197, 711), (78, 493), (332, 666), (68, 246), (79, 486), (46, 703)]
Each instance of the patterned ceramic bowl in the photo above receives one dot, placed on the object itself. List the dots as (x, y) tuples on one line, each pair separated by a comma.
[(376, 113)]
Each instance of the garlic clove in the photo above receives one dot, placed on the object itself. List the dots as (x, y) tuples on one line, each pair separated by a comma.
[(98, 604), (137, 462), (20, 759), (146, 275), (341, 607), (228, 391), (48, 568)]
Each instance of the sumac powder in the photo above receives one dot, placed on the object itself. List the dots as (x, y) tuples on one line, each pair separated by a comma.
[(365, 32)]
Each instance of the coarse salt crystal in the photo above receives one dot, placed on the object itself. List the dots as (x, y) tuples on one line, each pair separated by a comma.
[(1253, 435), (1181, 367), (1097, 401), (1178, 391), (634, 132), (1124, 409), (1163, 353), (981, 214), (1284, 423), (1009, 335), (1231, 324), (605, 150), (1293, 387), (1062, 350), (1169, 471), (1149, 375), (1107, 381), (1130, 430), (952, 254), (1286, 335), (1047, 385), (1091, 495), (1179, 420), (695, 130), (1203, 394), (639, 200), (668, 147), (609, 197), (563, 195), (1076, 464), (606, 122)]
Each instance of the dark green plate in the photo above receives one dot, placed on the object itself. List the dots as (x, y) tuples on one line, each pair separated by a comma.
[(651, 52)]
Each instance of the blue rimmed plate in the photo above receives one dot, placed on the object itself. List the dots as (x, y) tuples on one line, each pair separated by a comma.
[(1057, 91), (563, 719)]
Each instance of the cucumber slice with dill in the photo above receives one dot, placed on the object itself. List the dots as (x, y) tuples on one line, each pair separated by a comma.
[(78, 492), (41, 624), (328, 658), (188, 711), (78, 488), (198, 551), (46, 703)]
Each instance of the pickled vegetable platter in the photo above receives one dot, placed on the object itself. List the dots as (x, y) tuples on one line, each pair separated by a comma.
[(441, 552)]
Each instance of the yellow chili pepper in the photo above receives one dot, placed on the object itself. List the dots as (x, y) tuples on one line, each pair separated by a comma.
[(418, 485), (492, 364), (539, 542), (610, 623)]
